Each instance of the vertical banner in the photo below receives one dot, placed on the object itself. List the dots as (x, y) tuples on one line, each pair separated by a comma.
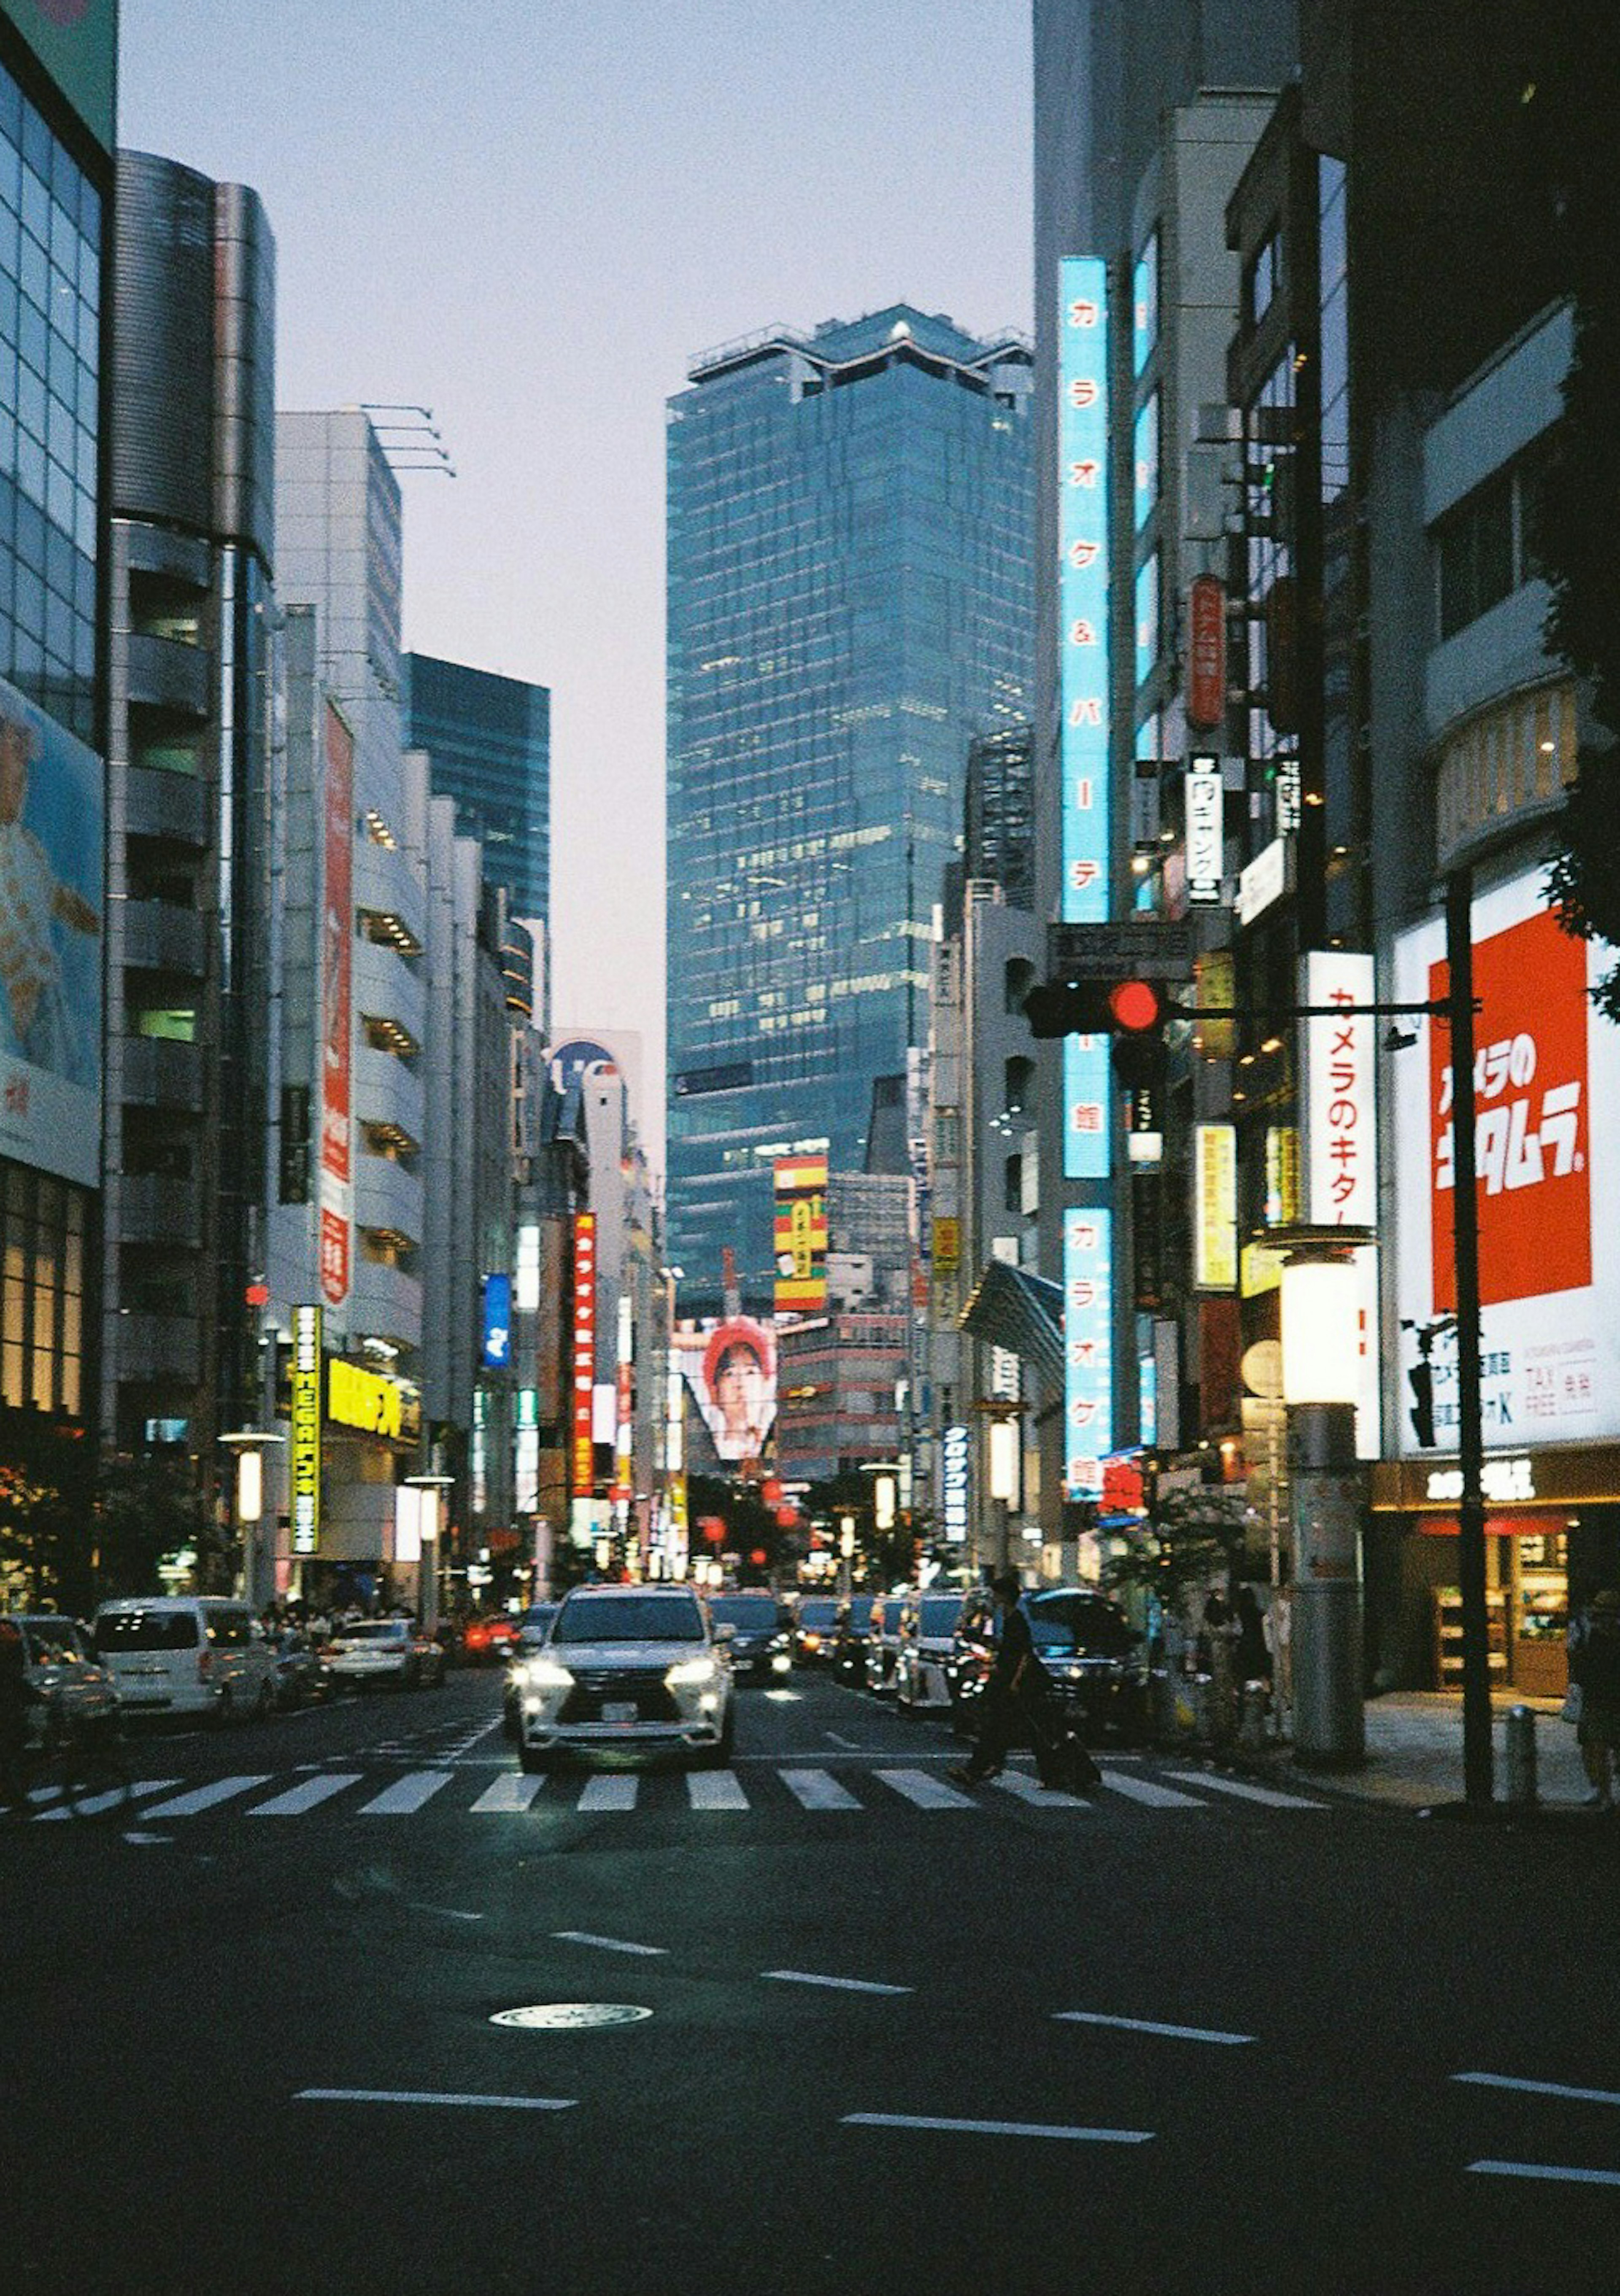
[(584, 1353), (1340, 1089), (1215, 1206), (497, 1351), (955, 1454), (1083, 686), (624, 1403), (1206, 831), (800, 1184), (1206, 653), (305, 1461), (336, 1201), (1088, 1335)]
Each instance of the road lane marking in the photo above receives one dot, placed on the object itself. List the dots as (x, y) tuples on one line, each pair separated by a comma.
[(850, 1745), (609, 1793), (101, 1802), (433, 2096), (406, 1794), (513, 1791), (1031, 1790), (298, 1799), (784, 1697), (217, 1790), (1542, 2088), (715, 1790), (927, 1793), (1545, 2171), (818, 1790), (1155, 1797), (1243, 1791), (998, 2127), (1147, 2025), (838, 1984), (607, 1944)]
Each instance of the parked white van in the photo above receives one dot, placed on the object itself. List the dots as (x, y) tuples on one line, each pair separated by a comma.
[(187, 1654)]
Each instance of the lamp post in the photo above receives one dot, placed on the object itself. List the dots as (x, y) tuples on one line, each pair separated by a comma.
[(1322, 1346), (249, 1445), (427, 1489)]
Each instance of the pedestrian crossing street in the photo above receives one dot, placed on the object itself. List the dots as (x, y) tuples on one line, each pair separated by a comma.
[(760, 1787)]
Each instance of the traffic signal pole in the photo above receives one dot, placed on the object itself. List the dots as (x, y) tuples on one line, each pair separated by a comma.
[(1477, 1780)]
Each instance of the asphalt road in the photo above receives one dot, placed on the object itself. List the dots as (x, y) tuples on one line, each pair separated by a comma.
[(1177, 2038)]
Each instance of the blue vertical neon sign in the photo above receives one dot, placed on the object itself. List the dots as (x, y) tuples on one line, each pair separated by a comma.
[(1082, 593)]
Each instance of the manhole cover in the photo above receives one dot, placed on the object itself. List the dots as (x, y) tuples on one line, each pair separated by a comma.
[(572, 2016)]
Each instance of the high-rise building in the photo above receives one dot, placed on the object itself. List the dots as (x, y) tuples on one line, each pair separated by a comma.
[(189, 749), (849, 604), (489, 740), (56, 89)]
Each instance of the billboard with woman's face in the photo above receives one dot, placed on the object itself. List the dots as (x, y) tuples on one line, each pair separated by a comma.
[(731, 1370), (52, 813)]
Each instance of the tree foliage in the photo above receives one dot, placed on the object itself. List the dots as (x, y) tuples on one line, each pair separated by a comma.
[(1193, 1535)]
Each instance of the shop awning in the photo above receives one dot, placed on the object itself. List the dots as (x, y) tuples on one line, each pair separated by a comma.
[(1011, 1308)]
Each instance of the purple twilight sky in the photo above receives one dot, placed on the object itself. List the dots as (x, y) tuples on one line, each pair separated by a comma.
[(529, 215)]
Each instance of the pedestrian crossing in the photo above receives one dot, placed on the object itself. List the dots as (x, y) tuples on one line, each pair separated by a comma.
[(756, 1787)]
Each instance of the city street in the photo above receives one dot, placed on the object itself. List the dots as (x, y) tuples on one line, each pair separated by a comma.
[(1192, 2034)]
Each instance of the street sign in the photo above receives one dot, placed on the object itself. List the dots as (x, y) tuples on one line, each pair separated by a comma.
[(1154, 948)]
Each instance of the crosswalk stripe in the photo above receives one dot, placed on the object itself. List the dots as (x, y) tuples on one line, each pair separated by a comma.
[(715, 1790), (217, 1790), (1243, 1791), (298, 1799), (818, 1790), (927, 1793), (511, 1792), (1031, 1790), (1143, 1790), (101, 1802), (614, 1790), (406, 1795)]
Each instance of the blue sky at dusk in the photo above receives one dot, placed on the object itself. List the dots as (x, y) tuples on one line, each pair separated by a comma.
[(527, 215)]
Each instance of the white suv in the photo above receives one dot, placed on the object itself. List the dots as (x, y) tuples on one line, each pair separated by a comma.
[(631, 1669)]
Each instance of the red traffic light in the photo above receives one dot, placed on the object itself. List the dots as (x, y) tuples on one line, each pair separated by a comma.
[(1136, 1006)]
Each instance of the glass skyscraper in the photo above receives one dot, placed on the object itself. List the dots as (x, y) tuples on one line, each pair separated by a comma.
[(851, 525), (489, 739)]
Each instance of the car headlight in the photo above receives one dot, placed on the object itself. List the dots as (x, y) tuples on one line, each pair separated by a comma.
[(546, 1674), (689, 1672)]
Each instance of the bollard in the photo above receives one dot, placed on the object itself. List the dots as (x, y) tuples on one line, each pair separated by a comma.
[(1257, 1711), (1521, 1756)]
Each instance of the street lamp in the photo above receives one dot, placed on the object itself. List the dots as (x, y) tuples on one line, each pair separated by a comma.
[(248, 1444), (1322, 1348), (427, 1489)]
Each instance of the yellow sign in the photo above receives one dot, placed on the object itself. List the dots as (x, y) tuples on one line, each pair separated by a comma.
[(1282, 1175), (305, 1427), (1262, 1270), (1215, 1206), (1217, 976), (947, 1242), (361, 1398)]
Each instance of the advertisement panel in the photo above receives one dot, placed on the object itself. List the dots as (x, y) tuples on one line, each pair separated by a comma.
[(1215, 1206), (954, 1454), (1546, 1085), (1083, 690), (800, 1184), (584, 1476), (51, 826), (731, 1370), (1339, 1091), (1206, 653), (497, 1347), (336, 1203), (304, 1462), (1206, 831), (1088, 1338)]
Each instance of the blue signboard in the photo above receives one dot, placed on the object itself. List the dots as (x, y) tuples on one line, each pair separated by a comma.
[(1088, 1342), (1083, 678), (497, 1322)]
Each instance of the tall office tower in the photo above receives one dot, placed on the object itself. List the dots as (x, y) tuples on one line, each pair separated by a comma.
[(339, 551), (56, 84), (189, 741), (489, 740), (848, 605)]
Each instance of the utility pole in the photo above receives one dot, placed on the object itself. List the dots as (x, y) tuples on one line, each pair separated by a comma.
[(1478, 1785)]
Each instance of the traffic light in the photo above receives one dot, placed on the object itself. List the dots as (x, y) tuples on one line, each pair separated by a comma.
[(1129, 1010), (1421, 1376)]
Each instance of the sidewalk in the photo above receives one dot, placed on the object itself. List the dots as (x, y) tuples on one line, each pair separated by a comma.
[(1414, 1752)]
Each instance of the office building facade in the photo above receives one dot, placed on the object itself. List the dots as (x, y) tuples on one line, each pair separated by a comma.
[(489, 740), (56, 105), (848, 605)]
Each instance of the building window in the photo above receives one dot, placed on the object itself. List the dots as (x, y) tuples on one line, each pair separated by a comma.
[(1486, 547), (1146, 450), (1146, 617), (1265, 277), (1144, 303)]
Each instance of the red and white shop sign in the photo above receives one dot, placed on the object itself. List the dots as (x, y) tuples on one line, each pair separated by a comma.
[(1530, 1115), (1340, 1096), (1546, 1089), (335, 1187), (1206, 653)]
